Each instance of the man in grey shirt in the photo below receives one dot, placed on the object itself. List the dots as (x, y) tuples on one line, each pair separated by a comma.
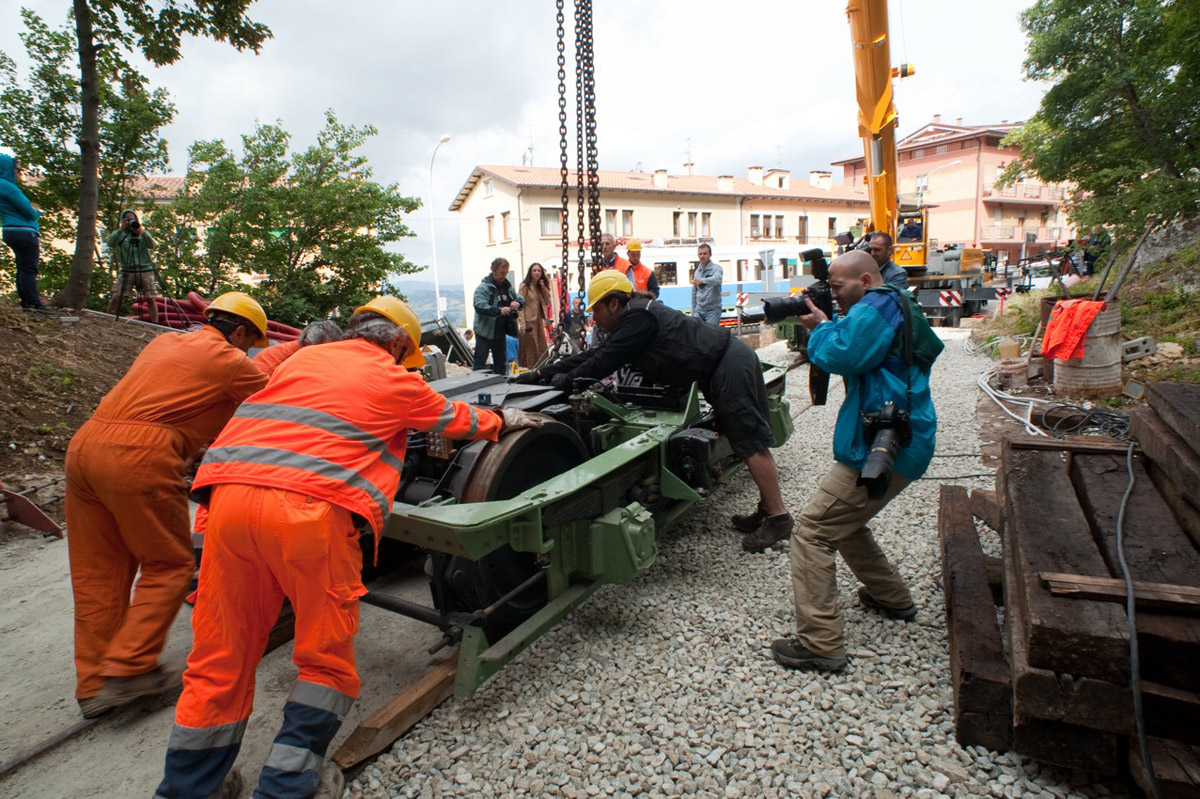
[(879, 245), (706, 288)]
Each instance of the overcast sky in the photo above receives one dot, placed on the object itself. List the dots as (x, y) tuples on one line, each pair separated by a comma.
[(752, 82)]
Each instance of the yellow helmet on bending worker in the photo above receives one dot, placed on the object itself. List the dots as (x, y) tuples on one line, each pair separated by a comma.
[(397, 311), (610, 281), (241, 304)]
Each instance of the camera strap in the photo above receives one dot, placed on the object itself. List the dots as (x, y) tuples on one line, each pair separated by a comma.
[(906, 312)]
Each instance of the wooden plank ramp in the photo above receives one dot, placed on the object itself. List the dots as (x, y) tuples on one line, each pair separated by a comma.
[(1046, 531), (978, 668), (1156, 551), (383, 727)]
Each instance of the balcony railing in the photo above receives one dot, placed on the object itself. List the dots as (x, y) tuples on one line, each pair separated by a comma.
[(1017, 234), (1026, 191)]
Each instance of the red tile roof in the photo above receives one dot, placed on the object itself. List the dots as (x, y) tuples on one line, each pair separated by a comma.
[(940, 133), (549, 178)]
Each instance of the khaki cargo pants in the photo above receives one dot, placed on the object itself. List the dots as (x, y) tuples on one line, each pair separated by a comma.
[(835, 522)]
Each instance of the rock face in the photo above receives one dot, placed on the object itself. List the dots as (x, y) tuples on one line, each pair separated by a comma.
[(1162, 243), (665, 687)]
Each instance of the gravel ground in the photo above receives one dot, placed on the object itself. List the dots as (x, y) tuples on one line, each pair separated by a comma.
[(666, 687)]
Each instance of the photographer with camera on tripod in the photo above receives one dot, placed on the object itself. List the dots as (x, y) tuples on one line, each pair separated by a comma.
[(883, 348), (131, 245)]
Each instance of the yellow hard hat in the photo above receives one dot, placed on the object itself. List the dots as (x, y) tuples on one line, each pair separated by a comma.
[(245, 306), (633, 245), (610, 281), (398, 312)]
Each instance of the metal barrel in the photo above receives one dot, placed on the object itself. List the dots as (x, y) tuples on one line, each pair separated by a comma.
[(1098, 372)]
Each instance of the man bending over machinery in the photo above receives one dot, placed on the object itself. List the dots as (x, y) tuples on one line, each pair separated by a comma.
[(679, 350)]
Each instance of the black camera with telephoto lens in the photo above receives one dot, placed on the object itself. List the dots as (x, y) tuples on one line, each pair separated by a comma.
[(776, 309), (888, 430)]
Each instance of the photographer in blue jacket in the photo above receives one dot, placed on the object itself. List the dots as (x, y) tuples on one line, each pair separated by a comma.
[(884, 439)]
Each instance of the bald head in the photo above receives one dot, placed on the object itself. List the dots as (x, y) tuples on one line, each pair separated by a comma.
[(850, 275), (855, 264)]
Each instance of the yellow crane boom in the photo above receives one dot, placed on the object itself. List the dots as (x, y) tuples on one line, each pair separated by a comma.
[(877, 119)]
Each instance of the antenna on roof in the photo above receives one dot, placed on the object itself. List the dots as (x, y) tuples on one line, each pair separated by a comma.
[(527, 156), (689, 151)]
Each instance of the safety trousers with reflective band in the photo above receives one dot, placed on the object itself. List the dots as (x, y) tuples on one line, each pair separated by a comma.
[(264, 544)]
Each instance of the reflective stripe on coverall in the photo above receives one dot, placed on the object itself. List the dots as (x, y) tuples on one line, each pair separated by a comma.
[(325, 439), (126, 502)]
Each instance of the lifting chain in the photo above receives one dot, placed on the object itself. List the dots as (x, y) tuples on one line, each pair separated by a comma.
[(588, 124), (587, 174), (564, 291)]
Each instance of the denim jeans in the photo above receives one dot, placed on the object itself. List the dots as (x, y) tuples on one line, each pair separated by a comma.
[(24, 244), (711, 316)]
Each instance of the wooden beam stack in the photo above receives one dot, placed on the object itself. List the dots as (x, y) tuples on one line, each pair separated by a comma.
[(1054, 683)]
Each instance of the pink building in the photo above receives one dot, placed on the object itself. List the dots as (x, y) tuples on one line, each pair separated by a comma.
[(953, 169)]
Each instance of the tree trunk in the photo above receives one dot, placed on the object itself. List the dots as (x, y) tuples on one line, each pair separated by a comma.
[(75, 293)]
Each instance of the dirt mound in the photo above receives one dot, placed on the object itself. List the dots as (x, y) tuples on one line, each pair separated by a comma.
[(52, 376)]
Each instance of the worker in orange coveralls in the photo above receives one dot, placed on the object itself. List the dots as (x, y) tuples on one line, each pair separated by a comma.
[(268, 359), (301, 462), (127, 506)]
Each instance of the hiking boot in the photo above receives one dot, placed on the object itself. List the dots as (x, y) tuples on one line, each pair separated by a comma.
[(791, 653), (230, 787), (122, 690), (903, 614), (332, 782), (749, 522), (774, 529), (94, 707)]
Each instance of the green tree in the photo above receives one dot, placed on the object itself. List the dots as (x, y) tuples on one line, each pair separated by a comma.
[(312, 223), (1120, 119), (157, 33), (40, 119)]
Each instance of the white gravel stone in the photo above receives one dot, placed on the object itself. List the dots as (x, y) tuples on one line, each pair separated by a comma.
[(665, 686)]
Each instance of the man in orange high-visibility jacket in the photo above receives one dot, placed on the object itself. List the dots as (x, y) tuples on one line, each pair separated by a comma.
[(322, 444), (268, 359), (127, 505), (641, 276)]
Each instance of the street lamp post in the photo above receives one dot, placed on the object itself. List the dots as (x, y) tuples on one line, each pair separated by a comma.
[(437, 290)]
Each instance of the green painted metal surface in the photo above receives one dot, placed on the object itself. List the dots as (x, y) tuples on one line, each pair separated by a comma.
[(578, 555)]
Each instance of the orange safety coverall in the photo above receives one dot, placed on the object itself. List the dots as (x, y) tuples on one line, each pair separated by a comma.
[(268, 359), (127, 503), (322, 443)]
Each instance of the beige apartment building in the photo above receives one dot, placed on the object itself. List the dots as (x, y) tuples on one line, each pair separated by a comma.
[(953, 168), (515, 211)]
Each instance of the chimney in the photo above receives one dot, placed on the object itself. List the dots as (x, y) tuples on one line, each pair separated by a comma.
[(725, 183), (937, 119), (660, 178), (820, 179), (689, 169), (958, 122), (756, 175)]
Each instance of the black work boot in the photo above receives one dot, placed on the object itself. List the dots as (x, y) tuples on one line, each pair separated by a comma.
[(903, 614), (791, 653), (774, 529), (749, 522)]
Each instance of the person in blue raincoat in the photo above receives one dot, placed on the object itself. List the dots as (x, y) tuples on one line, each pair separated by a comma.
[(19, 219), (866, 347)]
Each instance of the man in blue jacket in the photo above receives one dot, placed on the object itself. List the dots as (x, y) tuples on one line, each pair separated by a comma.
[(20, 222), (867, 347), (495, 305)]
